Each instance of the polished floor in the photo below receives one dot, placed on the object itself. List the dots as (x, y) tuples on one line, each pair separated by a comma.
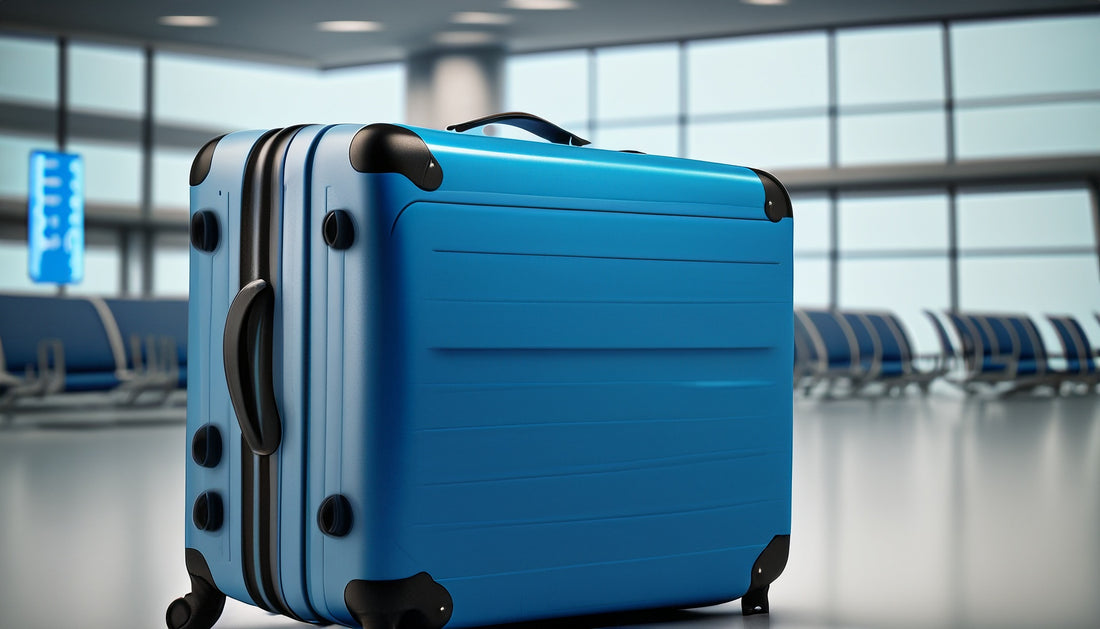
[(910, 512)]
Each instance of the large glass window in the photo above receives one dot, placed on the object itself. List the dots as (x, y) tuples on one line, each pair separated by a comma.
[(892, 138), (14, 277), (171, 266), (812, 238), (1036, 219), (28, 70), (360, 95), (15, 153), (112, 173), (171, 172), (551, 85), (769, 144), (102, 266), (893, 65), (106, 79), (1027, 87), (1036, 285), (658, 139), (904, 286), (758, 74), (213, 93), (894, 225), (812, 226), (1048, 55), (637, 82), (1020, 130), (890, 92), (1029, 251), (894, 257)]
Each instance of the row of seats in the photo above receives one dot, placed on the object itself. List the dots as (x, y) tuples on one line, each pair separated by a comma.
[(854, 351), (51, 345), (1007, 349)]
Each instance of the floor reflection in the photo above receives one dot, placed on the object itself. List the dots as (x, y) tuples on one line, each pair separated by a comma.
[(933, 512)]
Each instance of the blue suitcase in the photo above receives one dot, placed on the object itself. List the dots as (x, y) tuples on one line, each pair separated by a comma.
[(441, 378)]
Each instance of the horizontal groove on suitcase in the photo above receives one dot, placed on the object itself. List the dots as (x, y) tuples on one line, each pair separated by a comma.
[(625, 516), (595, 257), (678, 421), (707, 551), (623, 468)]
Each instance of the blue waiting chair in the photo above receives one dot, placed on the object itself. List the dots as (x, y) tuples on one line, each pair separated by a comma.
[(1081, 365), (836, 349), (91, 359), (900, 365), (156, 331)]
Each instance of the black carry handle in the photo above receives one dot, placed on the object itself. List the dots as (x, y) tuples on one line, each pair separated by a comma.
[(248, 328), (528, 122)]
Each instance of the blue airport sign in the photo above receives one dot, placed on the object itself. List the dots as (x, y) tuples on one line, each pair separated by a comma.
[(55, 230)]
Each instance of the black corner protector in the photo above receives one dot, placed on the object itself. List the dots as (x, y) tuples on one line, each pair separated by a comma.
[(777, 202), (202, 607), (388, 148), (200, 167), (417, 602), (769, 565)]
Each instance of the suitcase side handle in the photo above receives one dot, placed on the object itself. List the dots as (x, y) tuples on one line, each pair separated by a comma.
[(246, 351), (528, 122)]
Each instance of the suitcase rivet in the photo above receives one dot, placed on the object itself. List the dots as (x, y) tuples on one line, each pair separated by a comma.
[(334, 516), (207, 513), (206, 446), (204, 231), (338, 230)]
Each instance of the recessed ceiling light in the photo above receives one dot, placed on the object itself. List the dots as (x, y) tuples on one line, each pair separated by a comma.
[(463, 38), (349, 26), (541, 5), (194, 21), (765, 3), (481, 17)]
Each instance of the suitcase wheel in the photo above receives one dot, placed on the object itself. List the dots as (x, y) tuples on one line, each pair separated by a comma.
[(202, 607)]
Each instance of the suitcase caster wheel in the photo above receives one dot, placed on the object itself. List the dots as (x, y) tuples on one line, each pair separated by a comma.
[(201, 607), (755, 602), (179, 613)]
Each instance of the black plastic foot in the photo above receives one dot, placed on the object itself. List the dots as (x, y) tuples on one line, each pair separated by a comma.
[(755, 602), (769, 565), (202, 607), (417, 602)]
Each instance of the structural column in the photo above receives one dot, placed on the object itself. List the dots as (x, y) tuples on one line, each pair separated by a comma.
[(449, 86)]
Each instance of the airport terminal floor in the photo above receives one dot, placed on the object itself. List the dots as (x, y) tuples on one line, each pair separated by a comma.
[(942, 511)]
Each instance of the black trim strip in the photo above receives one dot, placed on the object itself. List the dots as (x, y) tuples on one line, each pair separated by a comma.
[(269, 212), (248, 523), (259, 257), (269, 535), (248, 460)]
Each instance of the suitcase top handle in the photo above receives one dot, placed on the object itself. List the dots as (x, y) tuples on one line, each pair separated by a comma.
[(528, 122)]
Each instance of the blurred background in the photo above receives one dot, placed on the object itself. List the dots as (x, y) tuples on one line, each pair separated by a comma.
[(942, 156)]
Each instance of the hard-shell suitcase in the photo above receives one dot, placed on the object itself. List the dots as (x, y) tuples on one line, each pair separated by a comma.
[(441, 378)]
